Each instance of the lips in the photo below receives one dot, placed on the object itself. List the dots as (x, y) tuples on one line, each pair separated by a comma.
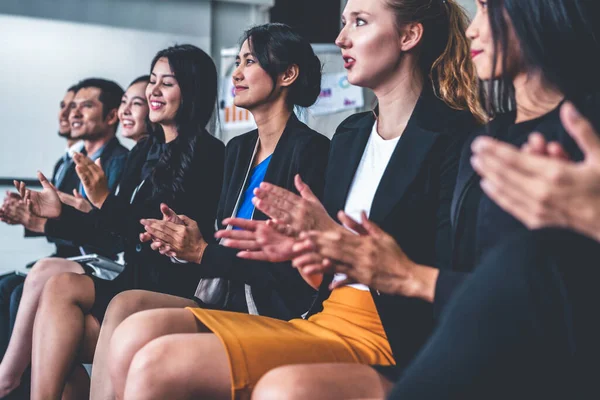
[(475, 53), (239, 89), (348, 62), (156, 105), (127, 123)]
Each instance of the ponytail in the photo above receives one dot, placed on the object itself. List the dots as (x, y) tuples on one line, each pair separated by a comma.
[(444, 51)]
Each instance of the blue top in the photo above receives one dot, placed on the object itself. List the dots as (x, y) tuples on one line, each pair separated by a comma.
[(258, 175)]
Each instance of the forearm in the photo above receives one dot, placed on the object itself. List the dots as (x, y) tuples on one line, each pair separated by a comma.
[(314, 280), (36, 224)]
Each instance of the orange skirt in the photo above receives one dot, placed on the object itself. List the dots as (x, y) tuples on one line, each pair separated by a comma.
[(348, 330)]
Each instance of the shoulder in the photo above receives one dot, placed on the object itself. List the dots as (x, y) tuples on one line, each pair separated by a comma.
[(209, 141), (354, 122), (302, 135), (241, 140)]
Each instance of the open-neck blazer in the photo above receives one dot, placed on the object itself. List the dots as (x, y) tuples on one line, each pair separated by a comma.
[(119, 217), (278, 289), (494, 224), (412, 202)]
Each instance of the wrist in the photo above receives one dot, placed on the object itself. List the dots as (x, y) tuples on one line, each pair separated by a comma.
[(422, 282), (101, 199), (200, 252)]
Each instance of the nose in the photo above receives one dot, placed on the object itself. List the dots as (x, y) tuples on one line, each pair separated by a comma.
[(75, 112), (127, 109), (155, 89), (342, 40), (237, 74)]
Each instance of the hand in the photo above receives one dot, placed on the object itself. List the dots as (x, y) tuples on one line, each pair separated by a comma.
[(175, 240), (44, 204), (541, 191), (14, 211), (93, 179), (167, 215), (301, 213), (374, 259), (258, 240), (536, 144), (76, 201)]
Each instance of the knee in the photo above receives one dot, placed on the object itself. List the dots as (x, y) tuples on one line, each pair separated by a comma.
[(41, 271), (59, 286), (123, 305), (283, 383), (124, 344), (147, 370)]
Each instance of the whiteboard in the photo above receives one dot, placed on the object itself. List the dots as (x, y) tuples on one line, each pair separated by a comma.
[(40, 59)]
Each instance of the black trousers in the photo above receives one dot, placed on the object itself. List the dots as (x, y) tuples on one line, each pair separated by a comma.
[(525, 325)]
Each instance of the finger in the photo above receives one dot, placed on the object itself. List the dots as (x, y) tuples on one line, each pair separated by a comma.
[(555, 150), (156, 245), (307, 259), (372, 228), (351, 224), (537, 144), (304, 189), (253, 255), (159, 234), (167, 212), (235, 234), (282, 228), (242, 244), (77, 194), (511, 203), (271, 211), (145, 237), (580, 130), (43, 180), (242, 223), (164, 250), (99, 163)]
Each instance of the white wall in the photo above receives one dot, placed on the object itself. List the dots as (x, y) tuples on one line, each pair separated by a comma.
[(40, 59)]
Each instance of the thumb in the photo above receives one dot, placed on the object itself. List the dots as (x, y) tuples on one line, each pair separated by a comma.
[(77, 194), (44, 181), (580, 130), (304, 189), (167, 212), (98, 162)]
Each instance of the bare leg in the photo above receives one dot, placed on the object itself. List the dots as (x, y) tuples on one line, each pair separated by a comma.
[(18, 353), (121, 307), (62, 331), (78, 385), (140, 329), (322, 382), (181, 366)]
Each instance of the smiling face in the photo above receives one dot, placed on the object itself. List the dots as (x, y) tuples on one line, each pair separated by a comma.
[(370, 42), (253, 86), (64, 128), (483, 43), (86, 116), (133, 111), (163, 93)]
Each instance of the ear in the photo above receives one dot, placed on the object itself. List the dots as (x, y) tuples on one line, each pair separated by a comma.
[(112, 118), (289, 76), (411, 36)]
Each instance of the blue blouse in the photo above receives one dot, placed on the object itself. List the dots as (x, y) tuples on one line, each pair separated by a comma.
[(246, 208)]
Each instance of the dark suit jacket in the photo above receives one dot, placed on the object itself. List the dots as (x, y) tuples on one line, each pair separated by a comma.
[(278, 289), (412, 203), (120, 218), (113, 158), (493, 223)]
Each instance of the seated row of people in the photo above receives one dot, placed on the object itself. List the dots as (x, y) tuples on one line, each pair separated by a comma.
[(411, 283)]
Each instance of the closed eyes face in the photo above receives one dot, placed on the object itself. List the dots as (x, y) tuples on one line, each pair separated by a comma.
[(252, 85), (370, 42), (133, 111), (163, 93)]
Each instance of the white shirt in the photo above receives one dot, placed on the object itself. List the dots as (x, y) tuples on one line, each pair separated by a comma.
[(373, 163)]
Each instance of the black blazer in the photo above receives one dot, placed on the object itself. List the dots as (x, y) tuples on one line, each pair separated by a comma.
[(412, 203), (119, 217), (278, 289), (114, 154), (493, 223)]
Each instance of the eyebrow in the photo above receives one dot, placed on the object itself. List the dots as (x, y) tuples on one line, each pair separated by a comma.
[(165, 76), (139, 98), (245, 55), (356, 13)]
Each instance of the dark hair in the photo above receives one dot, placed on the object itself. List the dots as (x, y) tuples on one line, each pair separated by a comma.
[(276, 47), (444, 50), (143, 78), (72, 88), (550, 35), (110, 94), (196, 76)]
